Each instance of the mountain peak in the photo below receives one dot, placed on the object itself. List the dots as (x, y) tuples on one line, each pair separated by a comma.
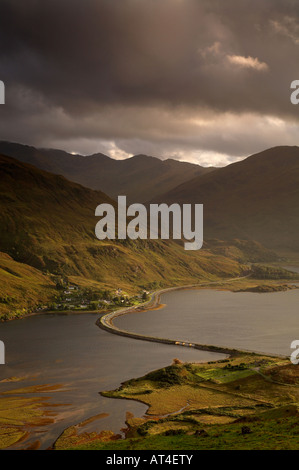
[(139, 178), (256, 198)]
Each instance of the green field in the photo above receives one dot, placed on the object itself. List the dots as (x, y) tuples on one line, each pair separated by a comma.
[(249, 402)]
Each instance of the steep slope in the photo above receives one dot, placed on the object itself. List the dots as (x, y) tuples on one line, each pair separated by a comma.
[(139, 178), (48, 222), (42, 214), (257, 198), (22, 287)]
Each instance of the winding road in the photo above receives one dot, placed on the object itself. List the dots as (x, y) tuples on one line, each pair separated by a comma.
[(106, 321)]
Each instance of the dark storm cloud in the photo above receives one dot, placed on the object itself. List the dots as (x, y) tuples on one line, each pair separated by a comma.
[(93, 69)]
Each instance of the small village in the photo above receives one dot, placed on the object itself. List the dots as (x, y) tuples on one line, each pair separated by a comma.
[(75, 298)]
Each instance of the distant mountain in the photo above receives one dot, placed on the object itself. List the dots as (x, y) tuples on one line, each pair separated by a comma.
[(257, 198), (48, 222), (139, 178)]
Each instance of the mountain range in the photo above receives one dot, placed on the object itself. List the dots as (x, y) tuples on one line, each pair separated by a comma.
[(255, 199), (140, 178), (48, 223)]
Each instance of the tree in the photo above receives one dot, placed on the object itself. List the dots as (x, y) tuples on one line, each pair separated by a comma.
[(144, 296)]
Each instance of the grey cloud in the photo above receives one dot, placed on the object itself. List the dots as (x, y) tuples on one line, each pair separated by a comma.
[(136, 73)]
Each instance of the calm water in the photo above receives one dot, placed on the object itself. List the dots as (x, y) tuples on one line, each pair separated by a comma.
[(295, 269), (71, 350), (260, 322)]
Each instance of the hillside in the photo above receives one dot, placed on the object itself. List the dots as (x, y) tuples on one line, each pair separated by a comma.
[(257, 198), (48, 222), (247, 401), (22, 288), (139, 178)]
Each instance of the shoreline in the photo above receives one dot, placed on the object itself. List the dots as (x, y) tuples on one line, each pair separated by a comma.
[(105, 322), (155, 302), (51, 312)]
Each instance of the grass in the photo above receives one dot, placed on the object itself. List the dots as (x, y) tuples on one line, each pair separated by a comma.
[(171, 399), (48, 223), (22, 288), (224, 376), (269, 434), (210, 406)]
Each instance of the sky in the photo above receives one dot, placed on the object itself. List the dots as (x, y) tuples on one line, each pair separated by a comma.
[(205, 81)]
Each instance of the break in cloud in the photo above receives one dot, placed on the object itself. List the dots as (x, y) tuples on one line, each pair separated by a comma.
[(206, 81), (247, 62)]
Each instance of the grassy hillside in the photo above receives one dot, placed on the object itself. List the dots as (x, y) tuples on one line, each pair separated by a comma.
[(246, 402), (139, 178), (243, 251), (22, 288), (257, 198), (48, 222)]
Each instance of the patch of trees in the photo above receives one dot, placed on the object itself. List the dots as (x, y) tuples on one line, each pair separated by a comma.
[(269, 272)]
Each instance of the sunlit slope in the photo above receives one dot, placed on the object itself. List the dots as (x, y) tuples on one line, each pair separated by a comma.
[(48, 222), (22, 287)]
